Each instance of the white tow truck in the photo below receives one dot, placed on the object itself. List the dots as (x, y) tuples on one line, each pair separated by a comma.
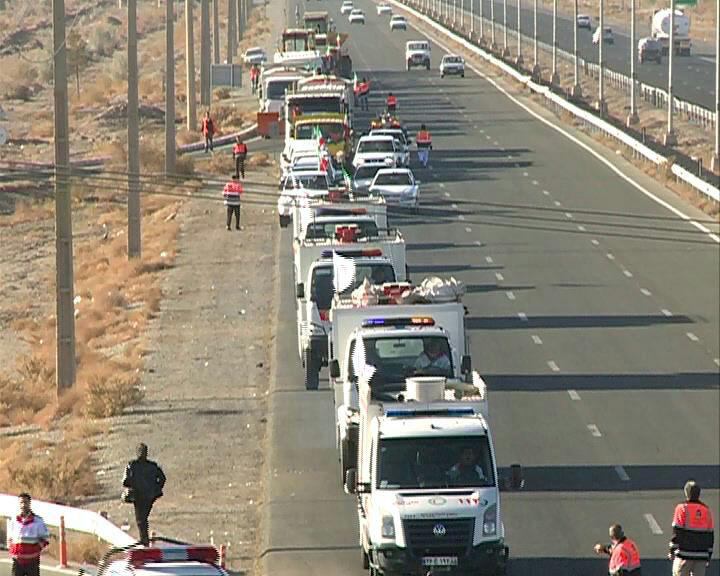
[(379, 260), (306, 211), (427, 481), (394, 336)]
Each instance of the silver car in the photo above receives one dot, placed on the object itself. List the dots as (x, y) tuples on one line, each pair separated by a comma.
[(452, 64), (397, 186)]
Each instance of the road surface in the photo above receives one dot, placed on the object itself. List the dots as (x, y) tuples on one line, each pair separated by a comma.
[(594, 318)]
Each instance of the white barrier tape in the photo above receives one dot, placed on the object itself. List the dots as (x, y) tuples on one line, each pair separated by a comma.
[(682, 174)]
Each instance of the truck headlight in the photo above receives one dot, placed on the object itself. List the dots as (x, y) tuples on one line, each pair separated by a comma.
[(388, 527), (489, 525)]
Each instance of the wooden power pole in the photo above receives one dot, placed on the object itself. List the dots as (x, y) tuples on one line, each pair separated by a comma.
[(230, 30), (65, 325), (240, 13), (190, 66), (205, 90), (134, 239), (169, 88), (216, 32)]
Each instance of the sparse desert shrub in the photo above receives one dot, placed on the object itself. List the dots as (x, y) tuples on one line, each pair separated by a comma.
[(102, 41), (108, 397), (118, 68)]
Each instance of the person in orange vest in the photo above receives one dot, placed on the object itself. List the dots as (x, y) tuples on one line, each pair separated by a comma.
[(254, 77), (240, 151), (231, 195), (391, 102), (363, 90), (27, 537), (693, 537), (208, 130), (623, 552), (424, 145)]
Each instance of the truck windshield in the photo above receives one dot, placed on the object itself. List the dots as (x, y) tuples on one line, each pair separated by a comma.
[(331, 131), (321, 230), (434, 462), (319, 25), (393, 179), (276, 89), (296, 43), (399, 357), (321, 286), (318, 105), (308, 181), (367, 172), (376, 146)]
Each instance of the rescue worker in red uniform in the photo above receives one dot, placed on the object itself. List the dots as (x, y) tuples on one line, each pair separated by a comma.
[(693, 537), (208, 130), (623, 552), (391, 102), (362, 91), (424, 145), (254, 77), (231, 195), (27, 537), (240, 151)]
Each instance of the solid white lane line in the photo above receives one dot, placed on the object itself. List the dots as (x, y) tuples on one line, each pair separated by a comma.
[(510, 295), (553, 366), (468, 229), (692, 337), (666, 312), (620, 471), (610, 256), (595, 242), (488, 259), (594, 430), (499, 276), (652, 523), (522, 316), (628, 273), (581, 228), (574, 395), (645, 292), (537, 340)]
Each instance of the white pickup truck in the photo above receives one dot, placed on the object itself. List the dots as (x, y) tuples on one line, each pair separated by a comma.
[(379, 260), (307, 210), (427, 481)]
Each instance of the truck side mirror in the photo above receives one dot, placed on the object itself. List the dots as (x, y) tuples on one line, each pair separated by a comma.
[(300, 291), (351, 480), (334, 369), (466, 364), (515, 481)]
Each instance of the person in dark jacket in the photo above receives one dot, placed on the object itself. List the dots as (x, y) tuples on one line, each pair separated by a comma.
[(144, 481), (693, 536)]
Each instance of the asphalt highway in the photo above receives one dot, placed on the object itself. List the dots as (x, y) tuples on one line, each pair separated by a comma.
[(693, 76), (594, 318)]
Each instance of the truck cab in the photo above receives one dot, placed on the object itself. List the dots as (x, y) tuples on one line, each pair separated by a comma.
[(297, 48), (427, 482)]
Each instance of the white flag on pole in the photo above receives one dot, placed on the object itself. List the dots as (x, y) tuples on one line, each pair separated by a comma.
[(343, 272)]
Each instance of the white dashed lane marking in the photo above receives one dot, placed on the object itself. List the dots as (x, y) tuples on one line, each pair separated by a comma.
[(645, 292), (692, 337), (557, 203), (594, 430), (595, 242), (454, 206), (546, 192), (461, 217), (581, 228), (568, 215), (447, 194), (652, 523), (510, 295), (628, 273), (535, 183), (573, 395), (620, 471), (553, 366), (499, 276), (666, 312), (523, 317), (536, 339), (610, 256), (488, 259), (468, 229)]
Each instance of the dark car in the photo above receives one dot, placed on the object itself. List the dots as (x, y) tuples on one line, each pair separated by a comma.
[(649, 49)]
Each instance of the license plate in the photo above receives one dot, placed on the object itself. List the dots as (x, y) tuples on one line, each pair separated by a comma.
[(440, 561)]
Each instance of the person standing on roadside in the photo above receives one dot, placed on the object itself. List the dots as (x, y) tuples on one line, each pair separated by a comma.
[(693, 537), (27, 537), (208, 130), (240, 151), (231, 194), (254, 77), (623, 552), (144, 481)]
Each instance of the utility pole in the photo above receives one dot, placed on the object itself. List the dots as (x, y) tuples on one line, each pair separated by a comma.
[(454, 17), (472, 19), (601, 62), (670, 139), (576, 89), (190, 66), (536, 71), (216, 32), (230, 31), (506, 48), (716, 157), (462, 14), (169, 88), (555, 78), (519, 58), (633, 116), (482, 20), (240, 13), (493, 46), (133, 134), (205, 90), (65, 325)]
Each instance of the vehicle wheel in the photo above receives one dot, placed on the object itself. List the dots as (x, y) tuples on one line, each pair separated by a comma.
[(427, 66), (408, 67), (365, 559), (462, 75), (442, 75), (312, 371)]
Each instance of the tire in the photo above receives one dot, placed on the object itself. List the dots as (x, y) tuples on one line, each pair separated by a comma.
[(427, 66), (442, 75), (312, 371), (462, 75)]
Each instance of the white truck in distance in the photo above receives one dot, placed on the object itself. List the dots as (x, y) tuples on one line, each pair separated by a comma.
[(417, 53), (307, 210), (427, 482), (378, 260), (660, 30)]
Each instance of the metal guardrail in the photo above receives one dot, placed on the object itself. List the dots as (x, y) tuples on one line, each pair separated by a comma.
[(248, 132), (591, 120)]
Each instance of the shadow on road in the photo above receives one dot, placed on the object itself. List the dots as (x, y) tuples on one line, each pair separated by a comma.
[(580, 382)]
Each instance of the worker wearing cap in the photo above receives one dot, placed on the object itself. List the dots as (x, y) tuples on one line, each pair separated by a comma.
[(424, 145), (623, 552), (27, 537), (231, 196), (693, 538)]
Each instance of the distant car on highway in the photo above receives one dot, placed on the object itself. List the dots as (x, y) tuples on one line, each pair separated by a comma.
[(363, 177), (452, 64), (608, 37), (383, 9), (347, 7), (584, 21), (417, 53), (254, 55), (649, 49), (398, 22), (357, 16), (397, 185)]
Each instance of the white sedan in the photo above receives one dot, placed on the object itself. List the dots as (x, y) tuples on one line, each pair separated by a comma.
[(254, 55), (584, 21), (398, 22), (347, 7), (357, 16), (384, 9), (397, 186), (452, 64)]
